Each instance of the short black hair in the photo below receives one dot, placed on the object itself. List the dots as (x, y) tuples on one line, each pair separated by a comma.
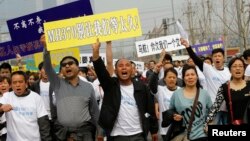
[(116, 63), (209, 58), (2, 78), (246, 54), (5, 65), (170, 70), (83, 70), (217, 50), (40, 66), (20, 73), (230, 63), (168, 57), (188, 67), (69, 57)]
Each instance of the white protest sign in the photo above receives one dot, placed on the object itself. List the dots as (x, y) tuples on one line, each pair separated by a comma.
[(139, 65), (86, 59), (183, 57), (182, 31), (155, 46)]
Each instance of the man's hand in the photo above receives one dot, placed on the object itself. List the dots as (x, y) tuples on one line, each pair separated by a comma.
[(6, 107), (108, 42), (158, 67), (18, 57), (154, 137), (184, 42), (96, 46), (43, 41)]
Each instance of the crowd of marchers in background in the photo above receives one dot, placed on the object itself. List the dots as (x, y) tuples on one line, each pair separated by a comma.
[(116, 102)]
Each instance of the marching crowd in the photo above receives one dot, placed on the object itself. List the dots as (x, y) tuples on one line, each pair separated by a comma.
[(117, 103)]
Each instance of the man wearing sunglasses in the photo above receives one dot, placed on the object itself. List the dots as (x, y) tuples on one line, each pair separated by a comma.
[(77, 109)]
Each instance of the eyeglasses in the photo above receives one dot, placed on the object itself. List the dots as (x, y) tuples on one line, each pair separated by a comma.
[(67, 63)]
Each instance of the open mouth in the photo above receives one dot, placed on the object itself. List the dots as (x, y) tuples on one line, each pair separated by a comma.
[(18, 89), (124, 73), (68, 71)]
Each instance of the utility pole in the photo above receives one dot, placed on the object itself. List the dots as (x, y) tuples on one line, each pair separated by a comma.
[(204, 28), (172, 2), (165, 26), (224, 28), (190, 21), (239, 7), (209, 9)]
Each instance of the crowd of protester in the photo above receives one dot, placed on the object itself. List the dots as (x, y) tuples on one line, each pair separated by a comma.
[(116, 102)]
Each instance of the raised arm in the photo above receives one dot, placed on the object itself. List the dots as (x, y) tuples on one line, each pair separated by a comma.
[(153, 81), (109, 58), (191, 53), (52, 76), (101, 71), (19, 62)]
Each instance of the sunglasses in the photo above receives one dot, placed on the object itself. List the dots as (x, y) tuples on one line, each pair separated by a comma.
[(67, 63)]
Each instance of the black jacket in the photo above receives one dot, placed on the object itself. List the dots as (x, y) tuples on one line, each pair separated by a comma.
[(112, 101), (36, 88)]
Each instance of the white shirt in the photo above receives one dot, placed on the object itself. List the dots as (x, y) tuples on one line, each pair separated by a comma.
[(22, 124), (44, 93), (247, 71), (2, 120), (163, 96), (202, 78), (128, 119), (215, 78), (101, 92)]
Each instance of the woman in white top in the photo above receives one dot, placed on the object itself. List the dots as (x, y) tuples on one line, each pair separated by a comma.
[(163, 93)]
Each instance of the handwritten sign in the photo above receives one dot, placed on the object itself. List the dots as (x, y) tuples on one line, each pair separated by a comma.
[(30, 27), (86, 59), (56, 56), (85, 30), (155, 46), (207, 48)]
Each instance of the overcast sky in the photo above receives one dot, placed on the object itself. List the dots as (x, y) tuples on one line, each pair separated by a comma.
[(151, 12)]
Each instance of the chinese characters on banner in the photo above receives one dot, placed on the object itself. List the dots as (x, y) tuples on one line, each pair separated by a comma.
[(207, 48), (155, 46), (8, 50), (85, 30), (25, 31)]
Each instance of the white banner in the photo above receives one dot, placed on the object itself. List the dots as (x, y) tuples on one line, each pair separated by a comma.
[(183, 57), (86, 59), (155, 46)]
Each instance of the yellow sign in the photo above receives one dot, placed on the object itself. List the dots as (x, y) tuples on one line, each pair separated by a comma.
[(56, 56), (85, 30)]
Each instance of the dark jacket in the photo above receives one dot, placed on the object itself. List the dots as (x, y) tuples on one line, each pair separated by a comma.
[(112, 101), (247, 108), (36, 88)]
